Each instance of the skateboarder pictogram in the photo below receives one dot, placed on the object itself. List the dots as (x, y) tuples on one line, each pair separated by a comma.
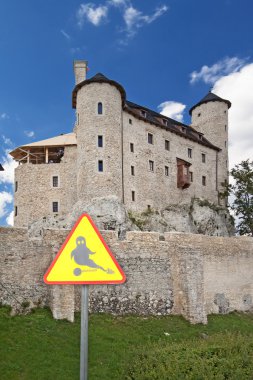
[(81, 255)]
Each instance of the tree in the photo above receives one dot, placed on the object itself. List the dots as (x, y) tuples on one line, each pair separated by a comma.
[(242, 196)]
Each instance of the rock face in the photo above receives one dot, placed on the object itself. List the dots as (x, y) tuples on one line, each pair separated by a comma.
[(200, 217), (108, 213)]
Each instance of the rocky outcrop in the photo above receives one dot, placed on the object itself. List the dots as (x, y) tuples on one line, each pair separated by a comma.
[(108, 213)]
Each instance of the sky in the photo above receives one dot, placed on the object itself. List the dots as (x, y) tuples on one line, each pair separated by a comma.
[(166, 54)]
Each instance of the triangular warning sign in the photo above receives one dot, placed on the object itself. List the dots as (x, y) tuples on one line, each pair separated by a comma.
[(84, 258)]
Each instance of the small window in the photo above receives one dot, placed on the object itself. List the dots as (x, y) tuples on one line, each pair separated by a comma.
[(203, 156), (204, 180), (165, 122), (151, 165), (55, 181), (132, 170), (226, 163), (143, 113), (100, 141), (166, 172), (167, 145), (130, 121), (55, 206), (132, 147), (16, 186), (150, 138), (100, 166), (225, 144), (133, 196), (199, 114), (225, 111), (191, 176), (225, 127), (189, 152), (16, 210), (100, 108), (77, 118)]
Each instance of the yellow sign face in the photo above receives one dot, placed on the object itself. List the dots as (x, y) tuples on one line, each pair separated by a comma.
[(84, 258)]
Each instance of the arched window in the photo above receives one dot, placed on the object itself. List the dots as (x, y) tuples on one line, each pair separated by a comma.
[(100, 108)]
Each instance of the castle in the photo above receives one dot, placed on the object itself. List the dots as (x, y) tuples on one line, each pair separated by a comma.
[(147, 163), (144, 159)]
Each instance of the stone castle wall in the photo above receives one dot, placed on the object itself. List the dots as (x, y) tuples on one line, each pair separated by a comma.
[(154, 188), (204, 118), (35, 192), (173, 273)]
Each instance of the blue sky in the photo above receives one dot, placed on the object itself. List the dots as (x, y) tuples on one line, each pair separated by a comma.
[(167, 53)]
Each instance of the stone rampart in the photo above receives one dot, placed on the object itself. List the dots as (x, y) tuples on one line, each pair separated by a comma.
[(173, 273)]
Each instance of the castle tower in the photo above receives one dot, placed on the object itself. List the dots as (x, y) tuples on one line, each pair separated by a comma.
[(210, 117), (98, 102)]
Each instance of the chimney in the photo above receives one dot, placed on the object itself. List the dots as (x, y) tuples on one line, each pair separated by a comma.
[(80, 68)]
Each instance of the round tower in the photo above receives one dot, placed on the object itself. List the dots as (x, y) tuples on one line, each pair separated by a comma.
[(210, 117), (98, 102)]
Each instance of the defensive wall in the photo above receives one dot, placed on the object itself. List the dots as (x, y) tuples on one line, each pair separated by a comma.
[(173, 273)]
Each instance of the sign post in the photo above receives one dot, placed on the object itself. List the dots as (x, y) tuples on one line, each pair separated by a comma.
[(84, 333), (84, 259)]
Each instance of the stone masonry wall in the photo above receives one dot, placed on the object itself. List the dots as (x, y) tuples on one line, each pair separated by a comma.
[(173, 273), (35, 192), (161, 190)]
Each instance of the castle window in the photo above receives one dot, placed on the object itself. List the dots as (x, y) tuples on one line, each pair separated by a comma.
[(133, 196), (55, 206), (131, 147), (150, 138), (16, 186), (165, 122), (130, 121), (225, 144), (16, 211), (100, 141), (151, 165), (100, 166), (100, 108), (204, 180), (199, 114), (167, 145), (189, 152), (132, 170), (143, 113), (203, 156), (55, 180), (225, 127), (191, 176), (166, 171), (77, 118)]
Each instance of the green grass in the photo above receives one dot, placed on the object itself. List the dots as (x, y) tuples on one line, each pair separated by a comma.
[(36, 347)]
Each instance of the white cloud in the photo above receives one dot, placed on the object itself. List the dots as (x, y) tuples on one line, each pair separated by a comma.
[(7, 141), (5, 198), (4, 116), (118, 2), (237, 87), (93, 14), (172, 109), (135, 19), (66, 35), (210, 74), (7, 176), (10, 219), (29, 133)]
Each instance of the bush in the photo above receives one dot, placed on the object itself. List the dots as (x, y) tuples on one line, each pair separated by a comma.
[(221, 357)]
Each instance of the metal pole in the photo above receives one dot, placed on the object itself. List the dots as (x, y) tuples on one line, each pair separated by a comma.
[(84, 333)]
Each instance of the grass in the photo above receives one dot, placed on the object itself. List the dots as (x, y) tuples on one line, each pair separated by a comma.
[(36, 347)]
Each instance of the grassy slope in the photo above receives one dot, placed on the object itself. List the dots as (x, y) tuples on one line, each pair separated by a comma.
[(38, 347)]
